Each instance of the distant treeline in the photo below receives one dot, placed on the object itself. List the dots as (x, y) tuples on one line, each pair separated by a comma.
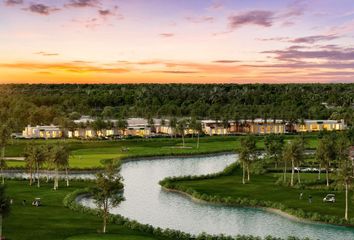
[(45, 104)]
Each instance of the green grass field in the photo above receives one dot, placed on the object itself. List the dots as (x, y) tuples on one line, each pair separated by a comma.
[(263, 187), (52, 220), (89, 154)]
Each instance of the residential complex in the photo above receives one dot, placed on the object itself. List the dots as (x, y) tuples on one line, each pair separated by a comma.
[(141, 127)]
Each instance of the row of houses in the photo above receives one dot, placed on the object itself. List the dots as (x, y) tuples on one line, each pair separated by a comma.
[(141, 127)]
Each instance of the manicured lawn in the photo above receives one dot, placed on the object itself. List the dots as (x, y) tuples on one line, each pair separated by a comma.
[(89, 154), (263, 187), (52, 220)]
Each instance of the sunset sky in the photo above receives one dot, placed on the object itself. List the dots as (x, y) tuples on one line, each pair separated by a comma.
[(184, 41)]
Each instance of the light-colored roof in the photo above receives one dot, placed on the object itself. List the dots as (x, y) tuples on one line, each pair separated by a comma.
[(257, 120), (321, 121), (45, 128)]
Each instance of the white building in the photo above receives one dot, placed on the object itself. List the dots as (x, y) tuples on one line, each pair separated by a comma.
[(42, 132), (320, 125)]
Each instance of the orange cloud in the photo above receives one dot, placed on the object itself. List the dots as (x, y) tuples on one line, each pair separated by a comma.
[(76, 67)]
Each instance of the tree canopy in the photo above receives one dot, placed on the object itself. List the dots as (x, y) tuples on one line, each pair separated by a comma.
[(41, 104)]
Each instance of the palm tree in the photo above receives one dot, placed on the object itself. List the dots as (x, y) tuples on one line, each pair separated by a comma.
[(162, 124), (293, 152), (192, 125), (59, 159), (325, 153), (181, 126), (108, 190), (151, 124), (29, 162), (345, 173), (122, 125), (321, 156), (4, 207), (173, 126), (98, 125), (36, 156), (248, 155), (199, 129), (273, 145), (225, 125)]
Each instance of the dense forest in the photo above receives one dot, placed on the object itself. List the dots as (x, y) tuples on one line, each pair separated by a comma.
[(45, 104)]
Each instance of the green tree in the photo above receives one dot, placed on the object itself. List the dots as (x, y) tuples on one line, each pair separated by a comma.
[(108, 112), (248, 155), (273, 145), (325, 154), (173, 126), (193, 125), (108, 190), (122, 125), (181, 127), (225, 125), (151, 124), (35, 157), (29, 162), (162, 123), (199, 130), (293, 152), (345, 171), (60, 159), (98, 126)]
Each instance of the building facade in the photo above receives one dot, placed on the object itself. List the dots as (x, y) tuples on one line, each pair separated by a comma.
[(320, 125), (141, 127), (46, 132)]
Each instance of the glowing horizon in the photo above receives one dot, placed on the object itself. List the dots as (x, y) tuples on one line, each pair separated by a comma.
[(157, 41)]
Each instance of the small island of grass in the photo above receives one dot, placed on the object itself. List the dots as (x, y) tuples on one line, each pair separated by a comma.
[(298, 192)]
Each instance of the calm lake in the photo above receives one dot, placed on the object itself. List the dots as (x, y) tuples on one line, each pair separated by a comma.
[(147, 203)]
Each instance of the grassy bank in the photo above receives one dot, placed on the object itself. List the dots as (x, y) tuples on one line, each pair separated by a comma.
[(53, 220), (264, 192), (89, 154)]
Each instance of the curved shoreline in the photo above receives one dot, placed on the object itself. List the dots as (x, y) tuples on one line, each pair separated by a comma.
[(197, 155), (128, 159), (272, 210), (267, 209)]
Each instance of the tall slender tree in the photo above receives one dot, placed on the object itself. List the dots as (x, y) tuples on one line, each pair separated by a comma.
[(181, 127), (29, 162), (122, 125), (273, 145), (36, 157), (248, 155), (293, 152), (345, 173), (59, 159), (108, 190), (226, 124), (98, 126), (325, 154), (173, 126), (199, 130)]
